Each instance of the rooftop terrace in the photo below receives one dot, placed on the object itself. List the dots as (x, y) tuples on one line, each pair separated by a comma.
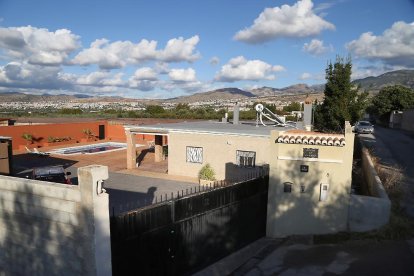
[(208, 127)]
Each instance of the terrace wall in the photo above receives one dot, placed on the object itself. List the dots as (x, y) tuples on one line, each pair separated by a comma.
[(42, 132), (55, 229), (117, 132)]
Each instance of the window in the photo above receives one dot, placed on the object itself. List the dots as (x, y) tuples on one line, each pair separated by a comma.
[(194, 155), (246, 158), (287, 187)]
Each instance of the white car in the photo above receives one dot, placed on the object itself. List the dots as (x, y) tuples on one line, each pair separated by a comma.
[(364, 127)]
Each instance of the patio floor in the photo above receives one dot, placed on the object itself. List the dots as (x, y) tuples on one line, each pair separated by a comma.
[(115, 160)]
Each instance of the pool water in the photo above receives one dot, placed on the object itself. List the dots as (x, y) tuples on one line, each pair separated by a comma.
[(91, 149)]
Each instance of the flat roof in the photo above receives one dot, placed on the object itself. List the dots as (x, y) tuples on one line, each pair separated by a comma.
[(208, 127)]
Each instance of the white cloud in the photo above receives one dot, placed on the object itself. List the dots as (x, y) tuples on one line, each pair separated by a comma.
[(239, 68), (38, 46), (145, 73), (305, 76), (214, 61), (100, 79), (121, 53), (178, 49), (316, 47), (24, 75), (394, 47), (182, 75), (298, 20)]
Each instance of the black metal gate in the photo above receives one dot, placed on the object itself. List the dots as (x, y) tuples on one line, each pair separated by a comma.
[(186, 234)]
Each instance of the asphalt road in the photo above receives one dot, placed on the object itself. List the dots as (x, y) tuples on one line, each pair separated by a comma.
[(395, 148)]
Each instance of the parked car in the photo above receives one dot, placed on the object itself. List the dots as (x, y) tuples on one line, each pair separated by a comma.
[(364, 127), (52, 174)]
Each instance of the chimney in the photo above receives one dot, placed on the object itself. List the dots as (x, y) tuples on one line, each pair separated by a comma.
[(307, 114), (236, 114)]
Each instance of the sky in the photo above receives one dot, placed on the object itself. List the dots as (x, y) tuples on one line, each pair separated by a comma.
[(170, 48)]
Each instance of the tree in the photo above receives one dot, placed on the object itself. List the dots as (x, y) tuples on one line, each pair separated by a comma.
[(295, 106), (391, 98), (154, 109), (342, 101)]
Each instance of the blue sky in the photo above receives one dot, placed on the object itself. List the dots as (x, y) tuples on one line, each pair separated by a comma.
[(162, 49)]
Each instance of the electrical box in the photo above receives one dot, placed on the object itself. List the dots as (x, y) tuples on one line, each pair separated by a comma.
[(324, 192)]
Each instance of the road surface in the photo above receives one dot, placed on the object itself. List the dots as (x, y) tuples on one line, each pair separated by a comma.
[(395, 148)]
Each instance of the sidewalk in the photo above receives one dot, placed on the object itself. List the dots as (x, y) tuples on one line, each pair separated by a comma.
[(299, 256)]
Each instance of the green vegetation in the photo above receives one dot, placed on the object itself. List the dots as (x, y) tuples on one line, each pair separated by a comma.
[(52, 139), (70, 111), (391, 98), (207, 173), (295, 106), (342, 100), (28, 137)]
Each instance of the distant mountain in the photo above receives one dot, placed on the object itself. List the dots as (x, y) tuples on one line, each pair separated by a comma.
[(22, 97), (218, 94), (293, 92), (82, 96), (374, 84), (290, 90)]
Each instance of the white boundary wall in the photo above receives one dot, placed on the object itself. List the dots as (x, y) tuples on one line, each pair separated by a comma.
[(55, 229)]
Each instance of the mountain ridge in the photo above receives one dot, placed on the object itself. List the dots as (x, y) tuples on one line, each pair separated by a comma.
[(371, 84)]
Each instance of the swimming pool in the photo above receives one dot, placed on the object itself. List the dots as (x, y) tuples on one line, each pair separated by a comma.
[(91, 149)]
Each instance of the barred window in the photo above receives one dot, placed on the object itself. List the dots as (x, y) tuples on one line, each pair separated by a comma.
[(194, 155), (246, 158)]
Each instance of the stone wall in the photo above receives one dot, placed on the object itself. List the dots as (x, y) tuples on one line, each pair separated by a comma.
[(55, 229)]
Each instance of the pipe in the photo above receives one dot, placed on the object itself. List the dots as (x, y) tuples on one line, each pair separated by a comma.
[(336, 142), (342, 141), (318, 141), (292, 139), (286, 139), (280, 139), (323, 141), (298, 140)]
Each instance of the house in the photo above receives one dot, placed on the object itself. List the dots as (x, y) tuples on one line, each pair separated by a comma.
[(310, 173)]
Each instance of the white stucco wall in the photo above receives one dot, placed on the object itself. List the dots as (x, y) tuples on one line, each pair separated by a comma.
[(54, 229), (218, 150)]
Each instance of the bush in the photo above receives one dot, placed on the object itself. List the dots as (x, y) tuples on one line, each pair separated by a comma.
[(207, 173)]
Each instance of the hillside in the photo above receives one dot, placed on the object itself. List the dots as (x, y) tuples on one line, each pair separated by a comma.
[(21, 97), (374, 84), (371, 84), (289, 90), (218, 94)]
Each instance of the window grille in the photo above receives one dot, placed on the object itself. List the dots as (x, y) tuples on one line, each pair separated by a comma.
[(246, 158), (194, 155)]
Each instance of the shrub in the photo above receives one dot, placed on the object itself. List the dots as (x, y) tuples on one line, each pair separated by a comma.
[(207, 173), (28, 137)]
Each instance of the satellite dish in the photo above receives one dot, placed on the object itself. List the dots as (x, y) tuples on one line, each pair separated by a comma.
[(259, 107)]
